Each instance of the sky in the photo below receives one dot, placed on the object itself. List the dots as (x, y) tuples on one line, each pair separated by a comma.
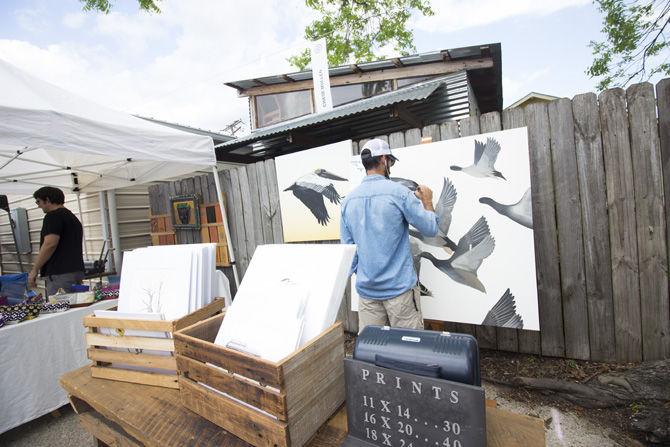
[(172, 66)]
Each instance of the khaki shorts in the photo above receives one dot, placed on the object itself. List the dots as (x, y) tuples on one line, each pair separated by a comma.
[(402, 311)]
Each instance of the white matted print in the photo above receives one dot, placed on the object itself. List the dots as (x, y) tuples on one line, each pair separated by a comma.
[(312, 184), (481, 267)]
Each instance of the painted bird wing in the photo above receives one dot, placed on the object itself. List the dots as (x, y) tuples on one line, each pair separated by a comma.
[(489, 154), (479, 150), (472, 259), (445, 206), (502, 312), (314, 202), (473, 247), (327, 189), (474, 236)]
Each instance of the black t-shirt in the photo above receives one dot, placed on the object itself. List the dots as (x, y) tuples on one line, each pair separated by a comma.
[(68, 255)]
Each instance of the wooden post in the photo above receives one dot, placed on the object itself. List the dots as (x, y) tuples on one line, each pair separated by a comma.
[(622, 223), (544, 227), (598, 269), (651, 226), (569, 226)]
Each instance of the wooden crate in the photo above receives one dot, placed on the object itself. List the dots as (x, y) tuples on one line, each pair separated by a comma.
[(103, 358), (295, 396)]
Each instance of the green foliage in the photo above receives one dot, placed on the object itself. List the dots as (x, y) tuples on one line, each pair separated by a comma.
[(356, 29), (636, 42), (106, 5)]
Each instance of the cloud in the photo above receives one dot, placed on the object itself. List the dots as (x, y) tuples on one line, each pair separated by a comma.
[(171, 66), (514, 88), (74, 20), (454, 15), (31, 19)]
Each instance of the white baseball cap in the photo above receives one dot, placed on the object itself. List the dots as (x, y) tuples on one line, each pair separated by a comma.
[(378, 147)]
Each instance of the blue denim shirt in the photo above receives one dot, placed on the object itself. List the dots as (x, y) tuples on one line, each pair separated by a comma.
[(375, 217)]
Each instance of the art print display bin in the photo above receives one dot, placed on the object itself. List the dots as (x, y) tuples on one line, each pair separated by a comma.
[(264, 403), (139, 351)]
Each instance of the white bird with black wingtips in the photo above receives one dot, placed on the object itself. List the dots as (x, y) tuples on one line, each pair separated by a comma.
[(520, 212), (310, 189), (486, 155)]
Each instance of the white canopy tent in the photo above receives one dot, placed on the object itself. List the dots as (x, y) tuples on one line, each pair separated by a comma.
[(51, 137)]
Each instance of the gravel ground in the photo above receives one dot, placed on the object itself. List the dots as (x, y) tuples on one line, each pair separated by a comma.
[(50, 431)]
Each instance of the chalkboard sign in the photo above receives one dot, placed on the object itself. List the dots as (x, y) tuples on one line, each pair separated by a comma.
[(396, 409)]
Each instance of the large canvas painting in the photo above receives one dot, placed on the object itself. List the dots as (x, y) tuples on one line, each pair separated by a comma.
[(480, 268), (312, 184)]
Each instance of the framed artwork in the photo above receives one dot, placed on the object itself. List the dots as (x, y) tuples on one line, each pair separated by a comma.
[(312, 184), (185, 212), (480, 267)]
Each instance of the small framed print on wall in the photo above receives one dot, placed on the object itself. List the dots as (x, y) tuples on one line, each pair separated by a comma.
[(185, 211)]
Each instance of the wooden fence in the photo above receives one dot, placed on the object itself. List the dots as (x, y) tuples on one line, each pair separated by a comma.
[(599, 166)]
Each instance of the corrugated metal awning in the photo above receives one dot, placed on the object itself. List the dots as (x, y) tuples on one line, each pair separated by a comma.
[(436, 100)]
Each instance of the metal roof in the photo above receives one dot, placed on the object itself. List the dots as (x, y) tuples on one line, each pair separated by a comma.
[(470, 52), (216, 136), (433, 101)]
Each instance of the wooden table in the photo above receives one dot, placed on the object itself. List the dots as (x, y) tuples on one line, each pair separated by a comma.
[(126, 414)]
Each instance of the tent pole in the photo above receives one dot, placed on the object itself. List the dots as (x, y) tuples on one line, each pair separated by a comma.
[(83, 230), (105, 226), (231, 251), (114, 224)]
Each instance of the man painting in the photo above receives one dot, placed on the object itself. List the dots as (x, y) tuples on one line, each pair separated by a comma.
[(376, 217)]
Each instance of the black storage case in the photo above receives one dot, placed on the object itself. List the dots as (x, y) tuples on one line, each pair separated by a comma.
[(444, 355)]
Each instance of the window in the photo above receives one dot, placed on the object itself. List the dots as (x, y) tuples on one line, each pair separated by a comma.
[(415, 80), (271, 109), (343, 94)]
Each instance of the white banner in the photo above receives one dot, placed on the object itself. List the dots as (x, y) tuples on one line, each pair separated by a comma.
[(323, 100)]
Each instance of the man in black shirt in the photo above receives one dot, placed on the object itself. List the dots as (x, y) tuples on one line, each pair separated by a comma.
[(60, 259)]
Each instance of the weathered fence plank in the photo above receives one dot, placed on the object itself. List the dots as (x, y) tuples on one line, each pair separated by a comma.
[(620, 191), (544, 227), (396, 140), (412, 137), (242, 258), (486, 335), (449, 130), (211, 185), (247, 212), (432, 131), (256, 210), (663, 103), (275, 211), (595, 226), (569, 226), (264, 195), (651, 226)]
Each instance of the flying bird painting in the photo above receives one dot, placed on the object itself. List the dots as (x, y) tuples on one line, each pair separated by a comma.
[(311, 188), (504, 314), (520, 212), (443, 210), (476, 245), (486, 155)]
